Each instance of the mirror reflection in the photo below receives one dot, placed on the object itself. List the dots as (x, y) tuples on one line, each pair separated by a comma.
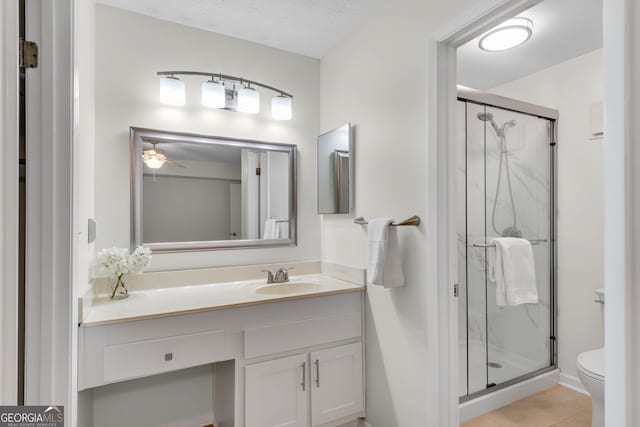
[(335, 171), (211, 192)]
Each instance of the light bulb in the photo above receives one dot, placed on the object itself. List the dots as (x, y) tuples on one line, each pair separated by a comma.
[(248, 100), (281, 107), (172, 91), (153, 159), (213, 94)]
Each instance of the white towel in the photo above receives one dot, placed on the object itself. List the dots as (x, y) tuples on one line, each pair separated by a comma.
[(271, 229), (512, 267), (384, 266)]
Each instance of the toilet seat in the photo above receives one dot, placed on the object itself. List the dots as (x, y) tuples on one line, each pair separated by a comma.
[(591, 363)]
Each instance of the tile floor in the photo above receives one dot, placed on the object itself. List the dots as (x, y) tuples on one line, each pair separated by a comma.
[(554, 407)]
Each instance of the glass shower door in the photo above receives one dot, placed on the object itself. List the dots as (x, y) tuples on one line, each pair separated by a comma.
[(508, 183), (518, 337)]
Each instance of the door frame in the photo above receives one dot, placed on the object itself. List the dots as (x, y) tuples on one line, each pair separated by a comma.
[(442, 306), (9, 134), (622, 92), (621, 219), (50, 301)]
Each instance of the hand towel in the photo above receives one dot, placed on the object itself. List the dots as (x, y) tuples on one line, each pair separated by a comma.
[(271, 229), (512, 268), (384, 264)]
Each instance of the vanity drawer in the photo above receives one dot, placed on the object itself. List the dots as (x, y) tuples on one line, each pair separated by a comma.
[(267, 340), (139, 359)]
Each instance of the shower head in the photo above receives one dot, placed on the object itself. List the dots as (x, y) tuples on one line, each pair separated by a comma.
[(507, 125), (488, 117)]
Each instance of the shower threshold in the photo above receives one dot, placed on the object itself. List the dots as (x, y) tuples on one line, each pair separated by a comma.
[(507, 392), (506, 384)]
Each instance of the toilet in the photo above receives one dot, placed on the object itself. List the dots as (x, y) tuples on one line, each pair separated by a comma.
[(590, 365)]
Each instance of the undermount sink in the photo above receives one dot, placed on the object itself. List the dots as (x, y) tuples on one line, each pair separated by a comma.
[(287, 288)]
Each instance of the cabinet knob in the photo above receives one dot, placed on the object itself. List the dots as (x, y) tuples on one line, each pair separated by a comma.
[(168, 357)]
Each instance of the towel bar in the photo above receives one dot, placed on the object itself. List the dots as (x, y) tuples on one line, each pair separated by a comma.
[(493, 245), (414, 220)]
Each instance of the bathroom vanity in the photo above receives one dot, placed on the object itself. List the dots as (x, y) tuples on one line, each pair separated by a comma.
[(286, 354)]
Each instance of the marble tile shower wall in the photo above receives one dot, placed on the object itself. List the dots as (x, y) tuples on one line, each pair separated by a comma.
[(516, 338)]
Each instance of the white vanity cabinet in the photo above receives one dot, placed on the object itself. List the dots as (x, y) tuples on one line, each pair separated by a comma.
[(292, 363), (278, 392), (336, 389)]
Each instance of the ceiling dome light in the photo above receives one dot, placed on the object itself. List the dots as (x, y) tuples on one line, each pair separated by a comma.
[(281, 107), (153, 159), (511, 33), (248, 100), (172, 91), (213, 94)]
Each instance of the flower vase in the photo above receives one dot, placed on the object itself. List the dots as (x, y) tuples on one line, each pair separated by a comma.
[(117, 289)]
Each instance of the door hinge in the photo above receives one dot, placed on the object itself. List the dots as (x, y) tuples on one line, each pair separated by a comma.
[(258, 171), (28, 55), (455, 290)]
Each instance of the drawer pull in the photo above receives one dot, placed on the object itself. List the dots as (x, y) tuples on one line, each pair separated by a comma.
[(304, 376), (317, 372), (168, 357)]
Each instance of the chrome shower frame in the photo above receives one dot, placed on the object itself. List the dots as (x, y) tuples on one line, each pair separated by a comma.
[(490, 100)]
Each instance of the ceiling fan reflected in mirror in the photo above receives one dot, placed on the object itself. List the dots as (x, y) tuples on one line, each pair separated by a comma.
[(154, 158)]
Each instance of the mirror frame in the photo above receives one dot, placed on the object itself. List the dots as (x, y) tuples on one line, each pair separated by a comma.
[(135, 136)]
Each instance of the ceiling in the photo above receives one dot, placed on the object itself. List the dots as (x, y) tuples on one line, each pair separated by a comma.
[(178, 150), (562, 29), (305, 27)]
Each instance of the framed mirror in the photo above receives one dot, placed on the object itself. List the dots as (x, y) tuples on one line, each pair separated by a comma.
[(195, 192), (335, 171)]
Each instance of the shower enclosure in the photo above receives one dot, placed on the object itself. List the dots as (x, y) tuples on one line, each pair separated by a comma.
[(506, 188)]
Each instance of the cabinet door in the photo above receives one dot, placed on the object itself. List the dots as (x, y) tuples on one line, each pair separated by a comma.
[(336, 386), (276, 393)]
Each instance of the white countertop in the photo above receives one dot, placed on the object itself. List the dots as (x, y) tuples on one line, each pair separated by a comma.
[(144, 304)]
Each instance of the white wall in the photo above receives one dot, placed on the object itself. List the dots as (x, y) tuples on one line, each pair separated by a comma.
[(85, 192), (130, 49), (571, 87), (185, 209), (84, 195), (376, 79)]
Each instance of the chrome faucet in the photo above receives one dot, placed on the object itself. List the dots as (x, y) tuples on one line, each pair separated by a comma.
[(281, 276)]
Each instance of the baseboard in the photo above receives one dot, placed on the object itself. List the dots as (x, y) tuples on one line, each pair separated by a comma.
[(569, 381)]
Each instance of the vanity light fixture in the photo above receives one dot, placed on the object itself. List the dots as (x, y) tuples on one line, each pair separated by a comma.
[(248, 100), (172, 91), (511, 33), (213, 94), (225, 92), (281, 107)]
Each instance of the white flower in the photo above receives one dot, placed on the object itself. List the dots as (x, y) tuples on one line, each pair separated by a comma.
[(139, 260), (112, 262), (115, 262)]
